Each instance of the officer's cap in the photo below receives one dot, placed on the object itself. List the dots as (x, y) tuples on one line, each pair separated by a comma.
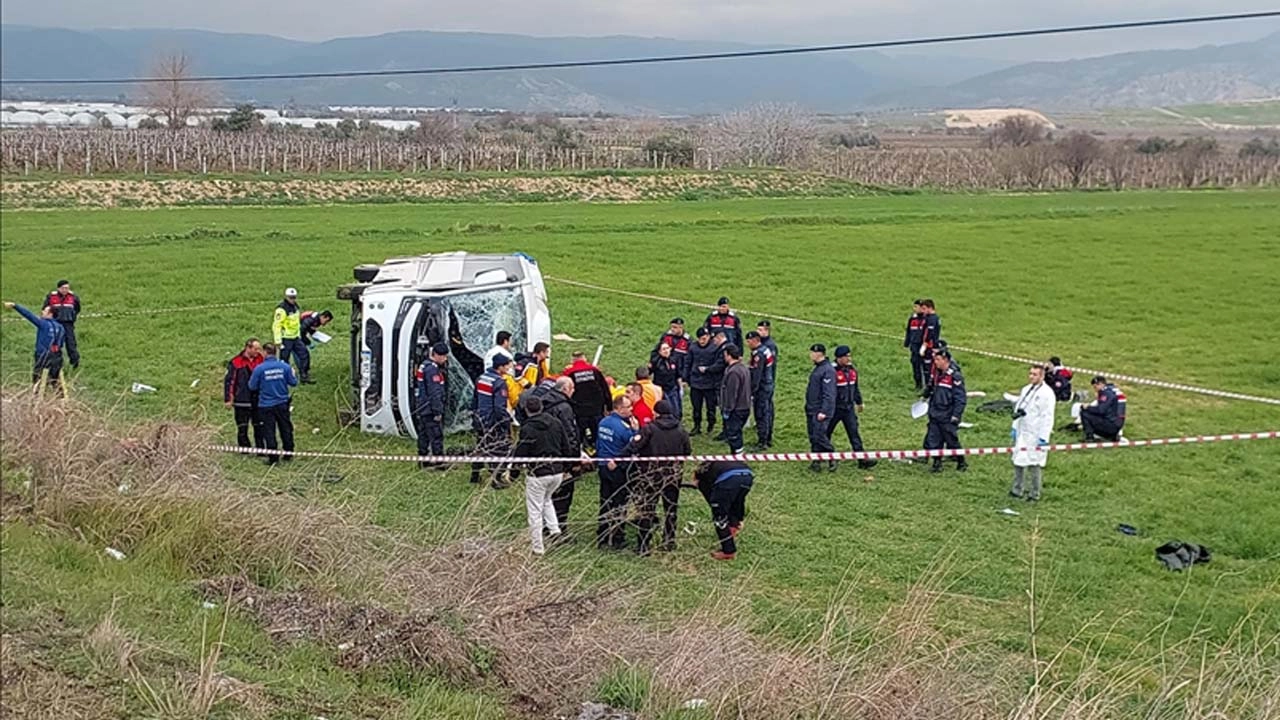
[(918, 301), (440, 349), (63, 282), (677, 321), (942, 353), (703, 332), (290, 292), (763, 323), (499, 360), (842, 351), (723, 301), (753, 335), (818, 347)]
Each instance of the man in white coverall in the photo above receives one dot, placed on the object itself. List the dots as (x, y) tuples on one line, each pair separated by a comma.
[(1032, 424)]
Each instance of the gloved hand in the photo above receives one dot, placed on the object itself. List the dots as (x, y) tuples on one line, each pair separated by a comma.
[(922, 350), (1013, 436), (1042, 443)]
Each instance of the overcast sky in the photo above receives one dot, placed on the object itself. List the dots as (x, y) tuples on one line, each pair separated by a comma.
[(757, 21)]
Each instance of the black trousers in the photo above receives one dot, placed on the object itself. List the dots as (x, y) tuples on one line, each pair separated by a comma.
[(728, 501), (302, 355), (562, 498), (430, 435), (493, 441), (52, 362), (763, 407), (709, 398), (919, 370), (819, 438), (734, 422), (943, 435), (587, 425), (275, 419), (849, 418), (245, 417), (611, 531), (69, 342), (1098, 425), (654, 482)]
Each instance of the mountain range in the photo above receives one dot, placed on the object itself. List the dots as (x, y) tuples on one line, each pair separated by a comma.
[(829, 82)]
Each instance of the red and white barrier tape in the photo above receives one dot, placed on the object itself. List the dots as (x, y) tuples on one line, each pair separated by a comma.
[(189, 308), (765, 457), (985, 353)]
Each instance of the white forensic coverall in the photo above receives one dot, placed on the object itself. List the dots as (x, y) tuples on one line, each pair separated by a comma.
[(1034, 427)]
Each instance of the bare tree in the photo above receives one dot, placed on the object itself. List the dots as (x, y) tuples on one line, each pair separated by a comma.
[(1035, 161), (766, 134), (1077, 153), (1017, 131), (1118, 158), (172, 95), (1192, 155), (438, 129)]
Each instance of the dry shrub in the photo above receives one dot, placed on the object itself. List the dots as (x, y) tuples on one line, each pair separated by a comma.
[(30, 689)]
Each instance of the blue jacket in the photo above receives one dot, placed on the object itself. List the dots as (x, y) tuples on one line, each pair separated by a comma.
[(613, 437), (489, 405), (49, 333), (1112, 403), (272, 380), (429, 389), (820, 396)]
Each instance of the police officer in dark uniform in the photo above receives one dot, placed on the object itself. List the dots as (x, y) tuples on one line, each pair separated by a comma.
[(726, 321), (914, 341), (763, 378), (930, 339), (430, 392), (820, 404), (706, 371), (947, 401), (679, 341), (66, 308), (848, 403)]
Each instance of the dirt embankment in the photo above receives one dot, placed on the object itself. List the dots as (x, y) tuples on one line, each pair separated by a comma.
[(293, 191)]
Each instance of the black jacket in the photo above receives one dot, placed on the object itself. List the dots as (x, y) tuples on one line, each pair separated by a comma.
[(663, 436), (591, 398), (667, 372), (708, 474), (848, 394), (914, 337), (555, 404), (542, 436), (820, 397), (680, 346), (712, 358), (735, 392), (235, 385), (949, 397)]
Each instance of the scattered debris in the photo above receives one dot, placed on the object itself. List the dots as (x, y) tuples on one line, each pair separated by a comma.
[(115, 554), (139, 388), (195, 382), (600, 711), (345, 646), (1127, 529), (208, 605), (690, 528), (695, 704), (564, 338), (1177, 555), (1009, 511), (965, 425), (123, 488), (976, 393), (315, 431)]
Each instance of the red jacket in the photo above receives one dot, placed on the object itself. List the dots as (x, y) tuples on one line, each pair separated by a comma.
[(235, 386), (642, 412)]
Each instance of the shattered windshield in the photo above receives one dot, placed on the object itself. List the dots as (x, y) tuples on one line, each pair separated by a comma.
[(477, 317)]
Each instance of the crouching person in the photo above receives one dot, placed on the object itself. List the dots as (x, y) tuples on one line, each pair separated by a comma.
[(541, 436), (725, 486)]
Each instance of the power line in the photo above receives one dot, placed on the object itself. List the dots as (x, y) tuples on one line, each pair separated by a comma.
[(655, 59)]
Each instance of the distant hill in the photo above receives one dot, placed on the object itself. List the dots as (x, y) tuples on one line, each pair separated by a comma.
[(1209, 74), (837, 82)]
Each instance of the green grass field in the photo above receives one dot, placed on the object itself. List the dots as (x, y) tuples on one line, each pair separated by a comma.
[(1166, 285)]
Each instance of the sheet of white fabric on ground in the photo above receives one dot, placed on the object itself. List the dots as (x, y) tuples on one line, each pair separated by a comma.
[(918, 409), (321, 337), (1011, 397)]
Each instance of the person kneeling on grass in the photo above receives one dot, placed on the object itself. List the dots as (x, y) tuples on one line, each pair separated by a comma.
[(541, 436), (725, 486)]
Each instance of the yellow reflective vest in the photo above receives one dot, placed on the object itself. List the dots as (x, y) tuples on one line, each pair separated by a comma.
[(286, 325)]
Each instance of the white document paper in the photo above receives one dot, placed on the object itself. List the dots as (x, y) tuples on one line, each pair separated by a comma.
[(321, 337), (918, 409)]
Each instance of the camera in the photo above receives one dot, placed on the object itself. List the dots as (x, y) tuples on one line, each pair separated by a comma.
[(1021, 413)]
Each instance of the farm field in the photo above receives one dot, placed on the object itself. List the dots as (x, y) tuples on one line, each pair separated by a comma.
[(1170, 285)]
